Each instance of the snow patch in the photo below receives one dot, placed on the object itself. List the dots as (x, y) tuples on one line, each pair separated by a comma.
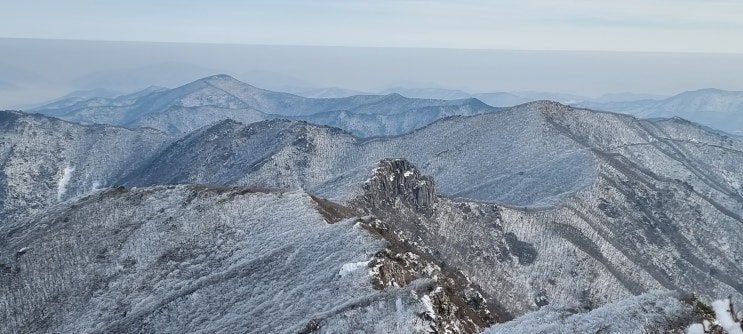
[(22, 250), (351, 267), (428, 305), (722, 312), (695, 329), (62, 184), (399, 310), (408, 173)]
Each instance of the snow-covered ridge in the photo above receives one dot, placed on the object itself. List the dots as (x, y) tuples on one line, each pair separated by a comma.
[(607, 244), (265, 261), (598, 207), (44, 160)]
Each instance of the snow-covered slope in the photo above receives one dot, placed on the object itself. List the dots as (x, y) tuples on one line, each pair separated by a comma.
[(205, 101), (45, 160), (512, 156), (718, 109), (647, 313), (546, 207), (631, 232), (196, 259), (635, 205)]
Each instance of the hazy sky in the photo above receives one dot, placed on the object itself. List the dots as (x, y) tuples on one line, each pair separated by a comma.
[(627, 25), (49, 48)]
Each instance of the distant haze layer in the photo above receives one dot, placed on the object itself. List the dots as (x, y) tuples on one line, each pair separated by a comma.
[(35, 71)]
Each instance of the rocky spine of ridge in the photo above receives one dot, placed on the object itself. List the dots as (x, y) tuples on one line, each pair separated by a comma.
[(518, 260), (398, 202), (397, 182)]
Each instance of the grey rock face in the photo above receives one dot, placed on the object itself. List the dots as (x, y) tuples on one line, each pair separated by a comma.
[(398, 179)]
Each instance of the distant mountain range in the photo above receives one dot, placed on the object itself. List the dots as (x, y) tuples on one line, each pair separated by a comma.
[(205, 101), (395, 111), (559, 217), (498, 99), (717, 109), (714, 108)]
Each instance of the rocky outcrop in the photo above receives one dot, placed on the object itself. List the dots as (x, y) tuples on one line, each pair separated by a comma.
[(398, 180), (405, 206), (520, 259)]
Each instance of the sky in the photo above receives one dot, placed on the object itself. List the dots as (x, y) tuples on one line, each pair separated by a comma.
[(588, 48), (628, 25)]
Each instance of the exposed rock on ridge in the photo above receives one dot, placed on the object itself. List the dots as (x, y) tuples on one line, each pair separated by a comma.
[(398, 179), (585, 254)]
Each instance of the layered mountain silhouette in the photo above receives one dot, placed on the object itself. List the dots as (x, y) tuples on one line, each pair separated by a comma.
[(202, 102), (396, 111), (496, 99), (544, 213), (715, 108)]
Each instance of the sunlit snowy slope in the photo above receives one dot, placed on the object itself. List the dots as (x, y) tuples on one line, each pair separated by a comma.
[(541, 213), (191, 259)]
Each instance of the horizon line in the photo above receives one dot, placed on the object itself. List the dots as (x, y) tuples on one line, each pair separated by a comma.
[(201, 43)]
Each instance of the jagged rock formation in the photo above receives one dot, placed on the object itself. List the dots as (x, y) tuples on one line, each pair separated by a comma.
[(521, 260), (398, 180)]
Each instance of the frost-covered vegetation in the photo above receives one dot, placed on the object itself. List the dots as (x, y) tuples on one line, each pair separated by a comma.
[(573, 214), (646, 313), (193, 259)]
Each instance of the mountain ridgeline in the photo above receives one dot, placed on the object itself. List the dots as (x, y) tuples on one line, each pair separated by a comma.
[(715, 108), (202, 102), (573, 219)]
